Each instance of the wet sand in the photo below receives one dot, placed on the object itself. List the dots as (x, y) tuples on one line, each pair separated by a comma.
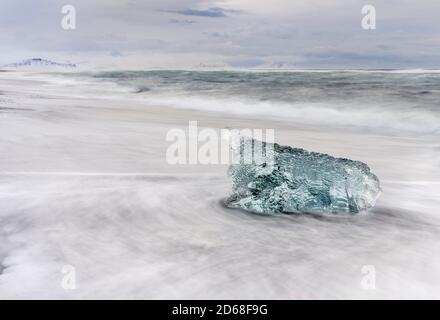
[(84, 182)]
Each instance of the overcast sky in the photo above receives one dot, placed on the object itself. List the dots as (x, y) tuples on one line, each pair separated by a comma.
[(236, 33)]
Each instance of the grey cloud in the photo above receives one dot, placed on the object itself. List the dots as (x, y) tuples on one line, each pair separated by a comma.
[(116, 53), (210, 13), (315, 33), (181, 21)]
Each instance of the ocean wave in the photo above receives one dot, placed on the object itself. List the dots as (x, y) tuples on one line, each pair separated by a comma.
[(382, 100), (377, 117)]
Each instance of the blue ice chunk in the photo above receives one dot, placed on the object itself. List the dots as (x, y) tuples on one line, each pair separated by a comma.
[(298, 181)]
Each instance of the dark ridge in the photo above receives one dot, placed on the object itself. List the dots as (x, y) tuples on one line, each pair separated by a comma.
[(15, 109), (38, 62), (2, 266)]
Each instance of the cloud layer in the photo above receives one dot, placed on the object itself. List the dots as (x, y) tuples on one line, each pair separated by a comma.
[(237, 33)]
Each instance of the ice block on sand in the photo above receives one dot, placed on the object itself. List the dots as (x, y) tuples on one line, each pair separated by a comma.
[(294, 180)]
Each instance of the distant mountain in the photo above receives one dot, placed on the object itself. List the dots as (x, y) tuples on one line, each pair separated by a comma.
[(269, 65), (281, 65), (209, 66), (38, 63)]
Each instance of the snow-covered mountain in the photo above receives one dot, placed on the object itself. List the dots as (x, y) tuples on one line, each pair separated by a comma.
[(38, 63), (278, 65), (269, 65), (211, 66)]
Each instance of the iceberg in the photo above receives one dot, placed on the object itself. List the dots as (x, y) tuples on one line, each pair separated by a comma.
[(292, 180)]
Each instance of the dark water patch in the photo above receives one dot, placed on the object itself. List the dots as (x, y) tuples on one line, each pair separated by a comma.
[(142, 89)]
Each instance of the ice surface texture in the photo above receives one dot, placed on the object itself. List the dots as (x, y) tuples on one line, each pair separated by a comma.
[(298, 181)]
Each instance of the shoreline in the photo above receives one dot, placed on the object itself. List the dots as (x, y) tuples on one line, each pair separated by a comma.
[(172, 236)]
